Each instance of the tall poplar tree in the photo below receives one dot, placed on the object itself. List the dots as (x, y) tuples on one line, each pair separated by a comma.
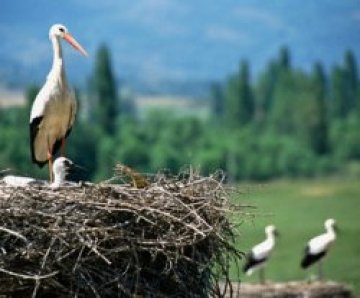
[(240, 106), (339, 105), (104, 91), (245, 94), (217, 101), (350, 80), (318, 132), (284, 58), (265, 92)]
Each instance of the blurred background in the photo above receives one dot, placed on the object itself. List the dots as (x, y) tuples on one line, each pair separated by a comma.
[(268, 91)]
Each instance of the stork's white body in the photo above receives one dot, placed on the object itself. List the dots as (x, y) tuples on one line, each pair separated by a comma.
[(264, 249), (322, 242)]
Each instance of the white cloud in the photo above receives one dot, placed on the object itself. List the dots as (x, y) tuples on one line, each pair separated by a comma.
[(258, 15), (154, 69), (355, 15), (225, 34), (23, 47), (158, 15)]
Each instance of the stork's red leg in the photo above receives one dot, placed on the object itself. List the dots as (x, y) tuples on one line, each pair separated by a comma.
[(63, 147), (50, 166)]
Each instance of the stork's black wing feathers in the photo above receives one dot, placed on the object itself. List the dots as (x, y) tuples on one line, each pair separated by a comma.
[(34, 128), (251, 261), (310, 259)]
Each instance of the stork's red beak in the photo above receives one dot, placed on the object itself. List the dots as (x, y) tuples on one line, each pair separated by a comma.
[(71, 40)]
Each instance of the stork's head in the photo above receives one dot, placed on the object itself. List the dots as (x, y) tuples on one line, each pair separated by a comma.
[(271, 230), (61, 167), (60, 31), (330, 223)]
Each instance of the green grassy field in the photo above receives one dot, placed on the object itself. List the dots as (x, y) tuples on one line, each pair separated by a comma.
[(298, 209)]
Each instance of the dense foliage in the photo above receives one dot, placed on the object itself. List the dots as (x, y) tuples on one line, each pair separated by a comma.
[(285, 122)]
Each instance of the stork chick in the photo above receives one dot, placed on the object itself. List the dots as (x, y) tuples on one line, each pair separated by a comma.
[(61, 168)]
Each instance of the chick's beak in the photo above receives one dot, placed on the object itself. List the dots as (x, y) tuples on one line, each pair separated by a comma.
[(72, 41), (76, 166)]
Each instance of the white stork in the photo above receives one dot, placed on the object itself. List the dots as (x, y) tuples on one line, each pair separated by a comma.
[(318, 247), (54, 109), (260, 253), (61, 168)]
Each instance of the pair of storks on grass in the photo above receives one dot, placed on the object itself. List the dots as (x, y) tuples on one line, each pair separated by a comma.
[(315, 250)]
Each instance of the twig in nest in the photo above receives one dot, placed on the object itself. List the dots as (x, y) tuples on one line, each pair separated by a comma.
[(137, 180)]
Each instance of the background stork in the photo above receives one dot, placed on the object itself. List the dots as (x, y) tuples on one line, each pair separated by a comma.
[(318, 247), (260, 253), (54, 109)]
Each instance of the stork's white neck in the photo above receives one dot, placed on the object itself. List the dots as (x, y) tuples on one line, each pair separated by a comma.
[(57, 71), (330, 231), (270, 236), (59, 178), (57, 48)]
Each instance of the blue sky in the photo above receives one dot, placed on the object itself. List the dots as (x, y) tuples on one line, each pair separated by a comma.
[(179, 39)]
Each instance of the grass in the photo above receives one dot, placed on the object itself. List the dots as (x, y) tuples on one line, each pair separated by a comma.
[(298, 209)]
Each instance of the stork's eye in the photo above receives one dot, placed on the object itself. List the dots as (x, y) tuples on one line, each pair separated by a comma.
[(62, 29)]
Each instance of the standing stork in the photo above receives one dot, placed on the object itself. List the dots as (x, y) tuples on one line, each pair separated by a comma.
[(318, 247), (260, 253), (54, 109)]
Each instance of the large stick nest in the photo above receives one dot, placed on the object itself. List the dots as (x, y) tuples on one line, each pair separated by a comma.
[(170, 239)]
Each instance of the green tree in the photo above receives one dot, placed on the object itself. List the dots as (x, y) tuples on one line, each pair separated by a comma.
[(104, 90), (282, 113), (217, 101), (232, 103), (350, 80), (319, 124), (284, 58), (339, 104), (245, 94), (264, 92), (345, 138), (240, 106), (351, 70)]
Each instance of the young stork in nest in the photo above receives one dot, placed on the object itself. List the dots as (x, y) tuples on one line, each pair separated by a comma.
[(61, 167), (317, 248), (260, 253), (54, 109)]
